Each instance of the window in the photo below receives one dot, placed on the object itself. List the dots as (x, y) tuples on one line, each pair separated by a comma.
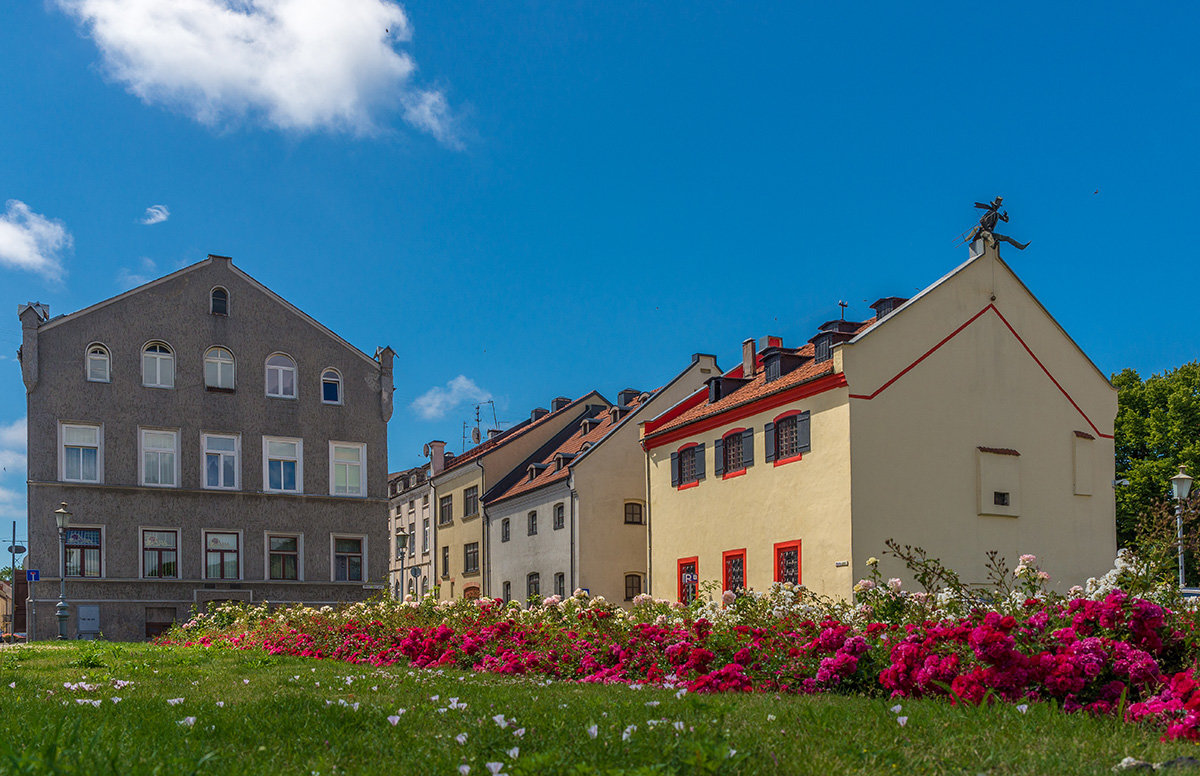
[(470, 501), (219, 304), (98, 364), (507, 591), (471, 558), (734, 571), (505, 530), (788, 437), (283, 471), (533, 585), (158, 366), (425, 536), (633, 586), (281, 377), (221, 555), (348, 559), (83, 552), (160, 554), (559, 516), (159, 620), (445, 510), (633, 514), (687, 466), (733, 453), (560, 585), (689, 579), (331, 387), (1000, 498), (220, 461), (346, 471), (787, 562), (445, 563), (283, 557), (218, 369), (412, 540), (81, 453), (532, 524), (159, 458)]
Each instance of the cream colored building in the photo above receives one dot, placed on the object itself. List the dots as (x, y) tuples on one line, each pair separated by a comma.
[(460, 482), (962, 420), (410, 523)]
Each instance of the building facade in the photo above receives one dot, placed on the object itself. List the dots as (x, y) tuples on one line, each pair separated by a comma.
[(410, 495), (212, 442), (962, 420)]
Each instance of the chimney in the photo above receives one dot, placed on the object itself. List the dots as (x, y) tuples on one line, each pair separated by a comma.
[(627, 396), (32, 316), (495, 432), (437, 456), (537, 414), (385, 356), (749, 358), (558, 403)]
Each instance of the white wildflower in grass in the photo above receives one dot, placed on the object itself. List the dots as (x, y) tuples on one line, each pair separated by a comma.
[(116, 699), (85, 701), (895, 709), (500, 721), (1024, 707), (174, 701), (220, 704), (245, 681), (679, 726), (401, 711), (629, 731), (651, 703), (12, 685), (494, 768), (770, 718), (519, 732), (461, 738), (464, 769), (682, 692), (393, 719), (512, 753), (732, 752), (902, 721), (593, 731), (187, 721)]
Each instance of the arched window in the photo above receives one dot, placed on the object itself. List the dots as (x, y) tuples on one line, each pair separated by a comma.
[(331, 387), (220, 302), (98, 364), (158, 366), (281, 377), (218, 368)]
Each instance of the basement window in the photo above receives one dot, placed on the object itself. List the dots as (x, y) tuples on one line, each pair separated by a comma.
[(1000, 498)]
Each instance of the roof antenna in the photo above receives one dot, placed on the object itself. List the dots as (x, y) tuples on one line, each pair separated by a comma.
[(843, 305)]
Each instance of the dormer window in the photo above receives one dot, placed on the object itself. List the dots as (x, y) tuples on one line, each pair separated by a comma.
[(98, 364), (219, 302), (824, 348)]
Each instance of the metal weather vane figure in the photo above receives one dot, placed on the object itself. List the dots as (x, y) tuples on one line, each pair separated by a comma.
[(987, 223)]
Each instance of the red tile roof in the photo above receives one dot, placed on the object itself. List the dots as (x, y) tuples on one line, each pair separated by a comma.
[(756, 389), (601, 424)]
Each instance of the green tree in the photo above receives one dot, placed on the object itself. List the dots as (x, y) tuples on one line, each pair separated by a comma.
[(1157, 428), (6, 574)]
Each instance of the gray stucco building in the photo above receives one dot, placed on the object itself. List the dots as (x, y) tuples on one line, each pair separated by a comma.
[(213, 442)]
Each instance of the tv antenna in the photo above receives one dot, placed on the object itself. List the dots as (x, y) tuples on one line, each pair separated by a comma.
[(476, 434)]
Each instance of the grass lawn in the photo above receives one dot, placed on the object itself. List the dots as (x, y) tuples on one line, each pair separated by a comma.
[(303, 716)]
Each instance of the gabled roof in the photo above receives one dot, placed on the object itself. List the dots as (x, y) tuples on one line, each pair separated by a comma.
[(191, 268)]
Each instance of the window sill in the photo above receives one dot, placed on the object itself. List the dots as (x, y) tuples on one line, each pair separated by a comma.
[(687, 485), (731, 475), (287, 398), (627, 522), (217, 389), (163, 387), (791, 459), (470, 573)]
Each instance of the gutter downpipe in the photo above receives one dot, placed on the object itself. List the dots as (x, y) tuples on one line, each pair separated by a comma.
[(484, 561), (574, 498), (649, 533)]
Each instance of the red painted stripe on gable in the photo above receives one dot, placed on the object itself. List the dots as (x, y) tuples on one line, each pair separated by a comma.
[(953, 334)]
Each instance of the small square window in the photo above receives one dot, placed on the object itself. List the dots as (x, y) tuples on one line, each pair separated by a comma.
[(1000, 498)]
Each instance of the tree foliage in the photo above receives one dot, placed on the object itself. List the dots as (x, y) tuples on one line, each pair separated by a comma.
[(1157, 428)]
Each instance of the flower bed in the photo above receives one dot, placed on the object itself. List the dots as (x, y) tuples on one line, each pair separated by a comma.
[(1118, 655)]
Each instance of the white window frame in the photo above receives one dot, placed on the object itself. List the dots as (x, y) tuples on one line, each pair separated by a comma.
[(141, 549), (267, 366), (362, 465), (158, 358), (333, 537), (299, 537), (340, 384), (141, 450), (237, 460), (204, 532), (62, 451), (232, 362), (87, 363), (266, 481)]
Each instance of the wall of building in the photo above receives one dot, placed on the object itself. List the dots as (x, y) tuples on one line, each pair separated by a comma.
[(412, 507), (452, 581), (916, 465), (546, 553)]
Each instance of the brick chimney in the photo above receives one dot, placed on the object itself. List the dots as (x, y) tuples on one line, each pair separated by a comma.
[(437, 456), (749, 358), (558, 403), (537, 414)]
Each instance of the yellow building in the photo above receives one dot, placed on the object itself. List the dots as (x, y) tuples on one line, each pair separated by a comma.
[(962, 420), (460, 482)]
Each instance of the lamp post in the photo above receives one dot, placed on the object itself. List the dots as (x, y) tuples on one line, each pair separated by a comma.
[(401, 546), (1181, 485), (63, 518)]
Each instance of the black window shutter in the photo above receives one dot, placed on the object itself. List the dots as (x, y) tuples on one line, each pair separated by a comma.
[(803, 433), (674, 470), (748, 448), (769, 441), (718, 457), (700, 461)]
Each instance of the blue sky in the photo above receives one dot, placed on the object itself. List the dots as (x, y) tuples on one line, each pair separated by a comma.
[(533, 200)]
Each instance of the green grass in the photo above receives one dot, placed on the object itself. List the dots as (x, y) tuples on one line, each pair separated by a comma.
[(281, 722)]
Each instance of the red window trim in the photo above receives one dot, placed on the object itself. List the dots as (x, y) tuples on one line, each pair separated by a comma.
[(736, 472), (799, 560), (779, 417), (679, 576), (679, 453), (724, 568)]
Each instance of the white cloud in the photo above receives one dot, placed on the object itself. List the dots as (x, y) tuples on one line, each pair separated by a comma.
[(14, 435), (156, 214), (437, 401), (130, 278), (300, 65), (12, 466), (29, 240)]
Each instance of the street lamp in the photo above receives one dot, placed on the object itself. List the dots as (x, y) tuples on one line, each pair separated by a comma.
[(1181, 485), (63, 518), (401, 546)]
